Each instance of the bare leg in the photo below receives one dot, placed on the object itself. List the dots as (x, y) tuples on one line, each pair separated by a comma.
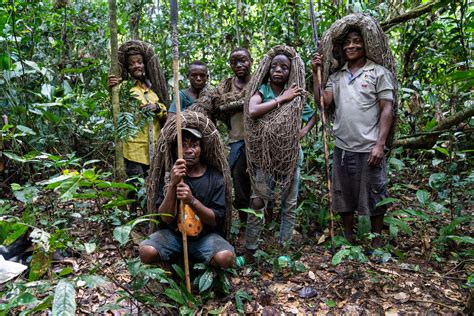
[(348, 222), (377, 225)]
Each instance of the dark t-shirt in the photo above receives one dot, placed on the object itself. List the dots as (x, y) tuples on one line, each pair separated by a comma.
[(209, 189)]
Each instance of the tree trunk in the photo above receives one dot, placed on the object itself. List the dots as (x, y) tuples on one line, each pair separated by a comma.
[(428, 140), (114, 93), (134, 20)]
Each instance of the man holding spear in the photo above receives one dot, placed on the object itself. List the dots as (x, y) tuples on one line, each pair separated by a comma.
[(195, 196), (362, 95)]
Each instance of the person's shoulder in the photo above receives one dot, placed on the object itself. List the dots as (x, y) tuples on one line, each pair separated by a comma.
[(213, 172), (378, 67)]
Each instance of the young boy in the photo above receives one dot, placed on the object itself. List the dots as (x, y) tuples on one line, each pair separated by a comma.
[(198, 75)]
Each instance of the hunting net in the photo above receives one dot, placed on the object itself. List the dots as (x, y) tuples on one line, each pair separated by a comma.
[(221, 102), (376, 49), (212, 153), (152, 66), (272, 141)]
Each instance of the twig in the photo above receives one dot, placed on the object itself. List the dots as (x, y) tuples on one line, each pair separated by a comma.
[(437, 303)]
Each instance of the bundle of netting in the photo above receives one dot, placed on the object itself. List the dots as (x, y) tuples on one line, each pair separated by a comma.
[(272, 140), (212, 153), (152, 66), (375, 43), (221, 102)]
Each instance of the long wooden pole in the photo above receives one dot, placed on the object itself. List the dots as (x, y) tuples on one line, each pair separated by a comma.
[(174, 38), (114, 92), (323, 121)]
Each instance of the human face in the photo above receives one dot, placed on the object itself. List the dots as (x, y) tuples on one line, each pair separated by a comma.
[(198, 76), (241, 63), (136, 67), (280, 70), (191, 151), (353, 46)]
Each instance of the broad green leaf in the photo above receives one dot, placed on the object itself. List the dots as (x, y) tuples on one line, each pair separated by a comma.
[(462, 239), (175, 295), (331, 303), (205, 281), (92, 281), (64, 303), (90, 247), (341, 254), (436, 207), (26, 130), (253, 212), (442, 150), (122, 233), (437, 180), (397, 163), (57, 179), (178, 271), (386, 201), (423, 196), (26, 194), (399, 223), (40, 263)]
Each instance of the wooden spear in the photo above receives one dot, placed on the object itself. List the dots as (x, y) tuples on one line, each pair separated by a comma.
[(174, 39), (323, 119)]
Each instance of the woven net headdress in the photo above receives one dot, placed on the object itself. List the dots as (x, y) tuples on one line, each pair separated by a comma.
[(152, 66), (213, 154), (272, 140), (376, 49)]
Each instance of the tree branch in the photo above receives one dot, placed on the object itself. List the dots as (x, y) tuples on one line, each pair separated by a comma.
[(412, 14), (428, 141)]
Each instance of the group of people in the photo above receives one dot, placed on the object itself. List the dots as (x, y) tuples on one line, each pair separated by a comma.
[(361, 95)]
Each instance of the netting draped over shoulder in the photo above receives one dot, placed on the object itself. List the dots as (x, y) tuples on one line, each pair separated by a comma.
[(152, 66), (212, 153), (376, 48), (272, 141), (221, 102)]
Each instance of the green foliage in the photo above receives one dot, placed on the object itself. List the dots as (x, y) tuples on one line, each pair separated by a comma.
[(350, 253), (240, 297), (64, 303)]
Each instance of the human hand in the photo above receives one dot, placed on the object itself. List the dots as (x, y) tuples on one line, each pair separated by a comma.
[(150, 107), (291, 93), (183, 193), (178, 172), (316, 61), (113, 81), (375, 156)]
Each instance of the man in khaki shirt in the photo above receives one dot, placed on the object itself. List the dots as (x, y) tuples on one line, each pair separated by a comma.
[(362, 94)]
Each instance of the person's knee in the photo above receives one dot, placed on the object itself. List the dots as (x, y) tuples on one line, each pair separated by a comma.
[(224, 259), (148, 254), (257, 203)]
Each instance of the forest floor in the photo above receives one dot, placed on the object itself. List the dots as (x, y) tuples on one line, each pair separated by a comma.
[(410, 278), (398, 286)]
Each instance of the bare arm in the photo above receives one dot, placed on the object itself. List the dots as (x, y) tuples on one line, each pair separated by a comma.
[(258, 109), (305, 130), (385, 122)]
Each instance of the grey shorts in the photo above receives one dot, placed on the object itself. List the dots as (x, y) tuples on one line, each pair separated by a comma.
[(356, 186), (169, 245)]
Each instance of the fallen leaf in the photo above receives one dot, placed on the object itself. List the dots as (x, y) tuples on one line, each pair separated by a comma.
[(311, 275), (307, 292), (402, 296)]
